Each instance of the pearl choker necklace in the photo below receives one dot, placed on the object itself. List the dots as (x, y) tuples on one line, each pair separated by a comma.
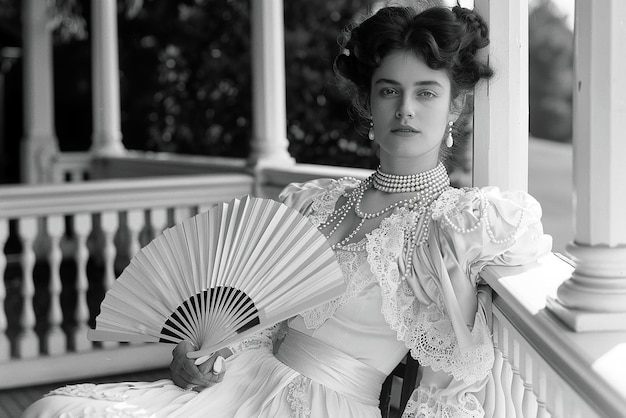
[(426, 186), (420, 182)]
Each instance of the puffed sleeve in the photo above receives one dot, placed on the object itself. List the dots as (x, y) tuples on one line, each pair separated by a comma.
[(491, 227), (471, 228), (316, 199)]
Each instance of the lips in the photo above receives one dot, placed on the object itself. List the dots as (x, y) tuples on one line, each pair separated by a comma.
[(405, 130)]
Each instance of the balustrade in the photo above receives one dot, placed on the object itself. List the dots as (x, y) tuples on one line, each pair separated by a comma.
[(543, 369), (60, 258)]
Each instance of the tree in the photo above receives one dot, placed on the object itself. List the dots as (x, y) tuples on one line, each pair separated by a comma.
[(551, 74)]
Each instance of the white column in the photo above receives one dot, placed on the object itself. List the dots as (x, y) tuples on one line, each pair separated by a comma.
[(39, 145), (269, 113), (594, 298), (107, 134), (501, 105)]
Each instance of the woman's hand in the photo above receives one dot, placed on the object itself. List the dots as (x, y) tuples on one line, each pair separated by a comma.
[(186, 374)]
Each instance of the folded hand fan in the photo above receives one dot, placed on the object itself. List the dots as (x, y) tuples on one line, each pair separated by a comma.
[(220, 276)]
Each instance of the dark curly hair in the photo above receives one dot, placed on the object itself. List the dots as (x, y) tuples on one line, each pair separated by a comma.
[(447, 39)]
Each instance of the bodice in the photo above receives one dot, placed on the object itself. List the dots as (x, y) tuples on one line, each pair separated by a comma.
[(354, 323)]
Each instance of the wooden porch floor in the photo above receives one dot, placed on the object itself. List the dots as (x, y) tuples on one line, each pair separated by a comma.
[(14, 401)]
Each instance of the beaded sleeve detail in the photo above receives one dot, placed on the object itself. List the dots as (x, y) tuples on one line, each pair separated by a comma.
[(456, 203), (425, 403), (323, 204)]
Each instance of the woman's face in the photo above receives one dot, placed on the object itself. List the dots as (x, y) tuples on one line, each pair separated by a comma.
[(411, 107)]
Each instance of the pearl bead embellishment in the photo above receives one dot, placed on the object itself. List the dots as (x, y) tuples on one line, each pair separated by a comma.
[(426, 186)]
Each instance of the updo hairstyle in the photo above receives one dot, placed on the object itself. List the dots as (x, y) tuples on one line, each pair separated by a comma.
[(447, 39)]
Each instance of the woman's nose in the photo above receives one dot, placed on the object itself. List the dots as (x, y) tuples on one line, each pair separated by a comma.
[(405, 111), (404, 114)]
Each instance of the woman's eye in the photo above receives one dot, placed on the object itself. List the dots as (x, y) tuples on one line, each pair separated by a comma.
[(388, 92), (427, 94)]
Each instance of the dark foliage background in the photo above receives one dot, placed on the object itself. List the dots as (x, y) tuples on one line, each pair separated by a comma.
[(551, 75), (185, 79)]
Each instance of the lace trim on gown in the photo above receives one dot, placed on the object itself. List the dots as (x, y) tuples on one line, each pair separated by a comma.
[(426, 404), (426, 330), (263, 339), (350, 263), (298, 397), (324, 203), (321, 208), (90, 390), (107, 392)]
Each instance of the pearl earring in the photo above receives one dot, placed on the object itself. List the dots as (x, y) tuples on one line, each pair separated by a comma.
[(370, 133), (449, 139)]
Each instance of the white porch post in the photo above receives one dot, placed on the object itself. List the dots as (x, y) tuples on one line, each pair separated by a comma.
[(107, 134), (501, 105), (269, 113), (594, 298), (39, 145)]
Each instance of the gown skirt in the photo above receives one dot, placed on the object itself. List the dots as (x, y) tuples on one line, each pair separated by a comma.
[(306, 378)]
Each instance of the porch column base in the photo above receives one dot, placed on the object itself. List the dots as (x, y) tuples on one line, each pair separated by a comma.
[(38, 153), (584, 321), (107, 146), (594, 298)]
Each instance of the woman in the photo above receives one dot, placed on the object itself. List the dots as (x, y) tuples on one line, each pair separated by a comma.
[(410, 247)]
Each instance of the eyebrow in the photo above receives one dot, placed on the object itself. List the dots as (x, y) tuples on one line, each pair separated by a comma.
[(417, 83)]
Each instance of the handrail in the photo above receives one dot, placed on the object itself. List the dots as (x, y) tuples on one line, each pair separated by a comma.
[(100, 195)]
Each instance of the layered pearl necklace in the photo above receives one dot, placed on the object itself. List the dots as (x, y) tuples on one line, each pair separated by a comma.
[(420, 182), (426, 186)]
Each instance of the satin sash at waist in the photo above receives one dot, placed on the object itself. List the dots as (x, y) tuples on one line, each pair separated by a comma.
[(332, 368)]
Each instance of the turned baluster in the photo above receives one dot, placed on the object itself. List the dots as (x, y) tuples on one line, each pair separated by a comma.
[(5, 345), (55, 338), (109, 223), (507, 373), (499, 398), (542, 392), (135, 221), (517, 388), (27, 341), (82, 227), (529, 401)]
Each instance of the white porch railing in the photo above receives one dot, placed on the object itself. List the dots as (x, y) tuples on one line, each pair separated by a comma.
[(64, 245), (544, 368)]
